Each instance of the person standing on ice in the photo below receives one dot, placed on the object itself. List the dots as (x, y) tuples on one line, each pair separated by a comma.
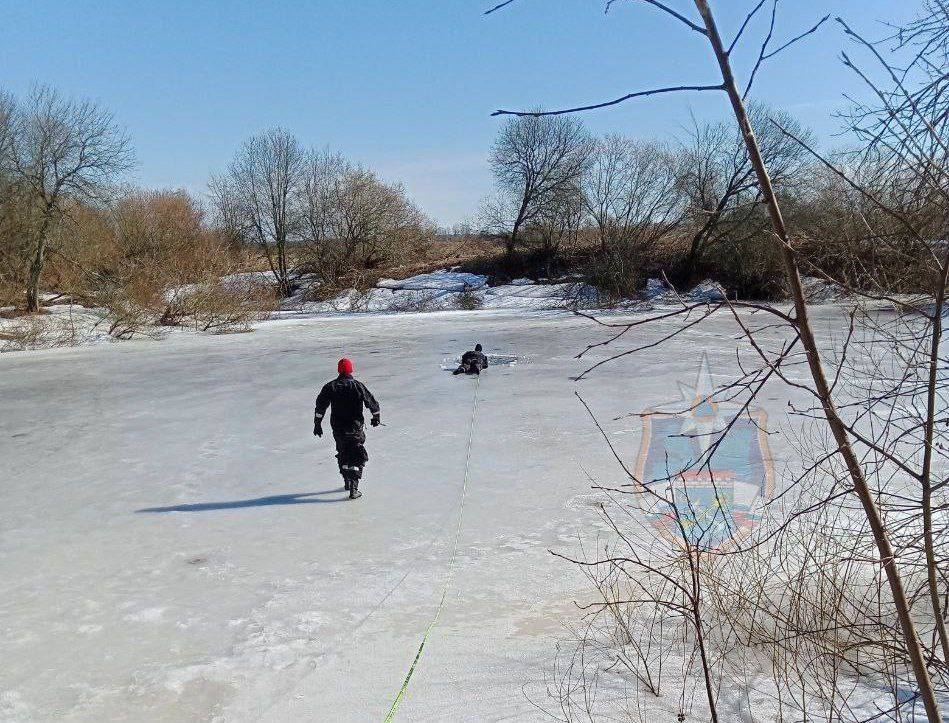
[(347, 397), (472, 362)]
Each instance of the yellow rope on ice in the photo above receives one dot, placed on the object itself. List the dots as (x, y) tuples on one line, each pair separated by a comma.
[(390, 716)]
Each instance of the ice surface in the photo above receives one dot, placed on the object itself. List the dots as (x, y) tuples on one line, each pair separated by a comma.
[(539, 296), (175, 544), (269, 596)]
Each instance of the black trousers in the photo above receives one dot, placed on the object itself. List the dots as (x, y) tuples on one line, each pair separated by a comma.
[(472, 368), (351, 452)]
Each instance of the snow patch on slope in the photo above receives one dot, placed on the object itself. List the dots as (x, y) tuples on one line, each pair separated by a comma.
[(456, 281), (245, 281), (59, 325), (656, 291), (447, 290), (819, 291)]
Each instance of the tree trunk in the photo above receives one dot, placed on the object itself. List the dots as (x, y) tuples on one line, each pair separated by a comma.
[(822, 388), (36, 271), (690, 267), (518, 222), (700, 239), (696, 605), (932, 385), (283, 273), (512, 239)]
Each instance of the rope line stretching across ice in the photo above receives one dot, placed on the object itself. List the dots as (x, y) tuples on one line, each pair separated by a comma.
[(390, 716)]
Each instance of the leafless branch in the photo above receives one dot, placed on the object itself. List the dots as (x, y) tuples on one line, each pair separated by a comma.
[(616, 101)]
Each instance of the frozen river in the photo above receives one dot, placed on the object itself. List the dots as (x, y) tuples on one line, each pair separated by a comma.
[(175, 544)]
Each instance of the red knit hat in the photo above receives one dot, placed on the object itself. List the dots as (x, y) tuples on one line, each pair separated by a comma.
[(345, 366)]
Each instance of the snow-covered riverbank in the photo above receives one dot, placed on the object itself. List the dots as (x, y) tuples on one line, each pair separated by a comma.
[(71, 325)]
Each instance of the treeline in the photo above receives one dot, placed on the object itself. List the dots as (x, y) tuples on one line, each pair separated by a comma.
[(615, 209), (622, 209), (69, 228)]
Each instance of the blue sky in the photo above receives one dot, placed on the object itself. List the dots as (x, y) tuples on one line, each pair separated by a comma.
[(404, 86)]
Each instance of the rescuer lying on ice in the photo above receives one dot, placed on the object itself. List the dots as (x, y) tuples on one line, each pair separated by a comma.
[(472, 362), (347, 397)]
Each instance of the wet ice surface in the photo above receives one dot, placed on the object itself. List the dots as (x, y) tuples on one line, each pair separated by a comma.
[(175, 544)]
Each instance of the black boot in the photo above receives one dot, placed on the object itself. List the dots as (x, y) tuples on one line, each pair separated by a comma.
[(348, 473), (354, 492)]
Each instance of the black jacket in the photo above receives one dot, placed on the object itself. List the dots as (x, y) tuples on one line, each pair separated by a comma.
[(347, 398), (474, 357)]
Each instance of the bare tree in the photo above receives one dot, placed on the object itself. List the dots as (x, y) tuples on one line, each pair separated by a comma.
[(557, 223), (632, 195), (63, 150), (319, 194), (533, 159), (847, 236), (7, 110), (11, 251), (822, 386), (352, 219), (723, 194), (256, 198)]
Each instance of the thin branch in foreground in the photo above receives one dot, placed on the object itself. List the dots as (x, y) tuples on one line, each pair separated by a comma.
[(616, 101), (748, 19), (796, 38), (764, 55), (764, 49), (666, 9), (498, 7)]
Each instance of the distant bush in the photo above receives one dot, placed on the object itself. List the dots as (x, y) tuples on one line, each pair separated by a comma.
[(126, 318), (152, 261), (220, 307), (747, 267), (468, 300), (617, 272)]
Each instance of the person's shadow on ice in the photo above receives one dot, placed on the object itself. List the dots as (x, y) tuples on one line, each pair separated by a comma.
[(299, 498)]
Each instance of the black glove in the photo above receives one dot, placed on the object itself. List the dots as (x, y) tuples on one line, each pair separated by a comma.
[(318, 428), (376, 420)]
